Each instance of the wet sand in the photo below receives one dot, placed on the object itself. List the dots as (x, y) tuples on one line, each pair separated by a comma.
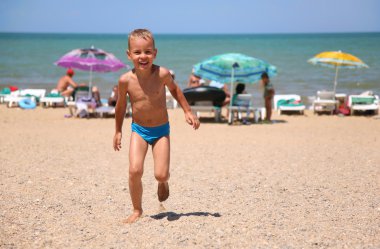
[(302, 182)]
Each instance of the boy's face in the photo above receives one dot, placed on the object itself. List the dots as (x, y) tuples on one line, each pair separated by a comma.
[(141, 52)]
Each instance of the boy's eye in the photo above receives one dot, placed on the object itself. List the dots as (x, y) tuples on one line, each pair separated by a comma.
[(148, 52)]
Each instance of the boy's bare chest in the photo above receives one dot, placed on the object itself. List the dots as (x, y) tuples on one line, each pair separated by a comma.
[(150, 90)]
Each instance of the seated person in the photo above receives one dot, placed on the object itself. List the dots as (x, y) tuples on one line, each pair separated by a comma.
[(66, 84), (240, 89), (194, 81), (224, 88), (113, 98), (82, 96)]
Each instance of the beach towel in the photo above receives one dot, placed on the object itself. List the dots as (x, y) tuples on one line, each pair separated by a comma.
[(5, 90), (288, 102)]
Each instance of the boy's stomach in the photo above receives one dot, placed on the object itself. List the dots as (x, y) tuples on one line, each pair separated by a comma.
[(150, 117)]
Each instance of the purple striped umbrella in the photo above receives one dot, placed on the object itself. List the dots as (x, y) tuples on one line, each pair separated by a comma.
[(91, 59)]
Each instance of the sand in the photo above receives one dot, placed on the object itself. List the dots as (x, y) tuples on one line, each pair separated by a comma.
[(302, 182)]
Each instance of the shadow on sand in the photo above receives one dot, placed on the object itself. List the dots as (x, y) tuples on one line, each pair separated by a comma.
[(171, 216)]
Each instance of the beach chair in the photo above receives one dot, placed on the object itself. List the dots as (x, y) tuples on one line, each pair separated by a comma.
[(54, 98), (363, 103), (207, 106), (242, 103), (7, 91), (325, 102), (170, 101), (79, 105), (288, 103), (26, 94)]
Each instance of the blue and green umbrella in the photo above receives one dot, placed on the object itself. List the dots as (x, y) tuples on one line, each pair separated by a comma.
[(233, 67), (230, 68)]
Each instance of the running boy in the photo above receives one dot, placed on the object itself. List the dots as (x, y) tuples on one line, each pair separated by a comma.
[(145, 84)]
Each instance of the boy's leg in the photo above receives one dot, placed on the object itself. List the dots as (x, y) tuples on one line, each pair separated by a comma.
[(161, 156), (137, 151)]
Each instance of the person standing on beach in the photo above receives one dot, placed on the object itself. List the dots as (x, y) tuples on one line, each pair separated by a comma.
[(145, 84), (268, 95)]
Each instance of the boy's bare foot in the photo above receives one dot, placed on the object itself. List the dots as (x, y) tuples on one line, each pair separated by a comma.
[(163, 191), (133, 217)]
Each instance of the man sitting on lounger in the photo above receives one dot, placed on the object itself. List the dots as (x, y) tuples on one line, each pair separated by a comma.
[(66, 85)]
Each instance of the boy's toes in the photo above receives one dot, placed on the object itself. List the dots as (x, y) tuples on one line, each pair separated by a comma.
[(163, 191)]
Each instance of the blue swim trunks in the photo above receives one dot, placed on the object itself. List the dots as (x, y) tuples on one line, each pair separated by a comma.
[(151, 134)]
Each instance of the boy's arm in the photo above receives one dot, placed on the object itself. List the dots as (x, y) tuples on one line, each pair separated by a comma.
[(120, 109), (178, 95)]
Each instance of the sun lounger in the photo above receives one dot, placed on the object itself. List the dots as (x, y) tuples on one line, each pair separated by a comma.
[(53, 99), (325, 102), (15, 97), (170, 101), (288, 103), (207, 106), (362, 103), (105, 110), (6, 93)]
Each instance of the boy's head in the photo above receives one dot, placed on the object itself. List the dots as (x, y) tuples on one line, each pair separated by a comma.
[(140, 33), (141, 50)]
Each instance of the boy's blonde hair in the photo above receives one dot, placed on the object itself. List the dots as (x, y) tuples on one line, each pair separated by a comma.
[(141, 33)]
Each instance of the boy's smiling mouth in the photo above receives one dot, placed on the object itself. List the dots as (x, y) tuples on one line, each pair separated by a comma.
[(143, 63)]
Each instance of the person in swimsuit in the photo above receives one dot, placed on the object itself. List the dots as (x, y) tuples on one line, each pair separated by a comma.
[(268, 96), (66, 85), (145, 85)]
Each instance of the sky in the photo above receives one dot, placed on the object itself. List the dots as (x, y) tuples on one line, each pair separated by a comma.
[(190, 17)]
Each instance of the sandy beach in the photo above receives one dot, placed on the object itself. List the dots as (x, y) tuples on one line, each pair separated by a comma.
[(302, 182)]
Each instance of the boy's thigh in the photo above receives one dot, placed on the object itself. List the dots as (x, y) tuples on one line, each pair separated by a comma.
[(161, 153), (137, 149)]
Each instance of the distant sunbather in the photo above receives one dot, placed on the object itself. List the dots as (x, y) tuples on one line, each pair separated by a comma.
[(113, 98), (66, 84), (268, 95), (194, 81)]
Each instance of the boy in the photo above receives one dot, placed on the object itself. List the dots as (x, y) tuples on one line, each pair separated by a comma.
[(145, 84)]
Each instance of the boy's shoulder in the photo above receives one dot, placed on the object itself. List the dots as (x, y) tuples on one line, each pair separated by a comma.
[(163, 71), (125, 77)]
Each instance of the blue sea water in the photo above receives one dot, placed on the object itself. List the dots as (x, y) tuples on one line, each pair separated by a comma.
[(27, 60)]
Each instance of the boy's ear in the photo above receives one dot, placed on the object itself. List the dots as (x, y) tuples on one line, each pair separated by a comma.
[(155, 52), (128, 53)]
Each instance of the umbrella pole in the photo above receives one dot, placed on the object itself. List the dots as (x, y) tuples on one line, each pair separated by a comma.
[(336, 79), (90, 84)]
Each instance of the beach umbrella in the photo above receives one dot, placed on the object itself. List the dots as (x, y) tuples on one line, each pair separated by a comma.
[(233, 67), (92, 60), (336, 60)]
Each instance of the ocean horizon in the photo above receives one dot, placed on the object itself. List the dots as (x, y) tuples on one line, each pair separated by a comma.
[(27, 59)]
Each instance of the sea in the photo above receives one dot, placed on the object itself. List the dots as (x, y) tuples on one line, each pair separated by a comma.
[(27, 59)]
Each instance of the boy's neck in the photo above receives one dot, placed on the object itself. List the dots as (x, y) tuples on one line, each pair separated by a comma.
[(145, 73)]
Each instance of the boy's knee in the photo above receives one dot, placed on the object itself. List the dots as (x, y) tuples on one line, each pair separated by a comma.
[(135, 172), (162, 177)]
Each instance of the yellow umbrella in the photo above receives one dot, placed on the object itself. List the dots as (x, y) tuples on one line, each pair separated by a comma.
[(337, 59)]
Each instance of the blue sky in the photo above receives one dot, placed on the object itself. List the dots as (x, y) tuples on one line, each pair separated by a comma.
[(196, 16)]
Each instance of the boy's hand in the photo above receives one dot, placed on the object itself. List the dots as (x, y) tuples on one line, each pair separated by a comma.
[(117, 141), (192, 120)]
